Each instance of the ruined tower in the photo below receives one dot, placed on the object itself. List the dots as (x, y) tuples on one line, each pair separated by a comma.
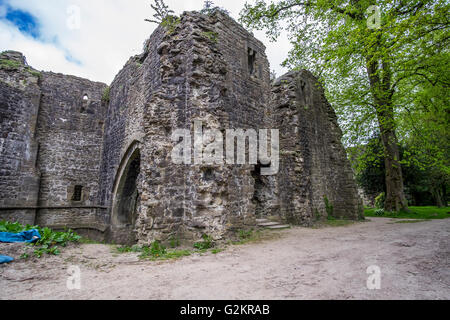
[(100, 158)]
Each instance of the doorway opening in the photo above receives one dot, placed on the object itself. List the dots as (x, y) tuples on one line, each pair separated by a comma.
[(127, 198)]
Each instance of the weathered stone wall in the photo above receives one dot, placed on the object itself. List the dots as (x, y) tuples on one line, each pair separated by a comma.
[(51, 142), (207, 69), (125, 133), (70, 137), (204, 77), (19, 105), (313, 163)]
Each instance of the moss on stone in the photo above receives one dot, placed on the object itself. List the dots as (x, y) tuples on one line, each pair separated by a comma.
[(10, 65)]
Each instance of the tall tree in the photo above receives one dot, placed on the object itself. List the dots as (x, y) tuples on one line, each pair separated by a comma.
[(364, 51)]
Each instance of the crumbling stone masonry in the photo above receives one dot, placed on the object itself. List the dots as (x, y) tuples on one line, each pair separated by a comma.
[(79, 154)]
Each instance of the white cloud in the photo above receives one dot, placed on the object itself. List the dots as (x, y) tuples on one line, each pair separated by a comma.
[(110, 32)]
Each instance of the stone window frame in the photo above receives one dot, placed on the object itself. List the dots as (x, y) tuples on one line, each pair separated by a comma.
[(71, 193), (256, 72), (84, 103)]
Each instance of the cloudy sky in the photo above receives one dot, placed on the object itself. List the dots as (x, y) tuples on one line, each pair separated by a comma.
[(95, 38)]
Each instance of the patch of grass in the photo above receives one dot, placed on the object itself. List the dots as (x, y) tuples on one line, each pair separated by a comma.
[(33, 72), (85, 240), (339, 223), (36, 73), (411, 221), (174, 242), (216, 251), (211, 35), (156, 251), (50, 242), (127, 249), (245, 234), (206, 244), (170, 23), (176, 254), (255, 236), (10, 65), (425, 213)]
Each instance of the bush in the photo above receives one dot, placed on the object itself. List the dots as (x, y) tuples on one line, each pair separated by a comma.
[(328, 206), (50, 241), (244, 235), (206, 244), (379, 212), (379, 200), (154, 251), (105, 97), (170, 23)]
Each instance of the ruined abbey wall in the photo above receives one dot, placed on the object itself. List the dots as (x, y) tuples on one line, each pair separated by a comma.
[(70, 136), (314, 166), (19, 106), (78, 154), (52, 133)]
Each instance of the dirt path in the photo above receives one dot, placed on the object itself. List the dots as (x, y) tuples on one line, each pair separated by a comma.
[(327, 263)]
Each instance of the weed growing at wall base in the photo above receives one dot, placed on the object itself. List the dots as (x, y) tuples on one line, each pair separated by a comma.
[(50, 243)]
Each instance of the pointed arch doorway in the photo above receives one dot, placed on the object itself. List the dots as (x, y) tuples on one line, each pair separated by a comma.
[(126, 200)]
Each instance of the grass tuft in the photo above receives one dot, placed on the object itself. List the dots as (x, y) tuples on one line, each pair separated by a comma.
[(425, 213)]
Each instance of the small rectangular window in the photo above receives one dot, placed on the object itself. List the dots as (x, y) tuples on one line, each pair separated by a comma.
[(77, 193), (251, 60)]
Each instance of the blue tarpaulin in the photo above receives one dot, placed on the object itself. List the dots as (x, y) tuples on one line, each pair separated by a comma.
[(25, 236), (5, 259)]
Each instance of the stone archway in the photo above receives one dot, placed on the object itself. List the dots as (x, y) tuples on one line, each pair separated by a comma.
[(126, 199)]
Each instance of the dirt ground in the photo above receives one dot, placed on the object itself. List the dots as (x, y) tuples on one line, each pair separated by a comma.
[(326, 263)]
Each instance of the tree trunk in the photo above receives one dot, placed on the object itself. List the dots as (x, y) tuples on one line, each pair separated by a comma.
[(380, 84), (395, 196), (438, 197)]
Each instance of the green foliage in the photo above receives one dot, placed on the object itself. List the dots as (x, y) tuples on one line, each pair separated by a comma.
[(50, 242), (425, 213), (162, 12), (164, 16), (174, 242), (209, 8), (391, 79), (206, 244), (34, 73), (10, 65), (245, 234), (106, 93), (328, 207), (156, 251), (127, 249), (211, 35), (12, 227), (170, 23), (426, 183), (317, 215), (379, 200), (338, 222), (379, 212), (216, 251)]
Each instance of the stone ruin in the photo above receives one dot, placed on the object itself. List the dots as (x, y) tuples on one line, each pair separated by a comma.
[(79, 154)]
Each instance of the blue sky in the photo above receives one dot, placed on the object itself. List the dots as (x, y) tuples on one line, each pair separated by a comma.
[(23, 20), (95, 38)]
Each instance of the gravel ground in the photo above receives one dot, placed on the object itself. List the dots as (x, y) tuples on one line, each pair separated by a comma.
[(299, 263)]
